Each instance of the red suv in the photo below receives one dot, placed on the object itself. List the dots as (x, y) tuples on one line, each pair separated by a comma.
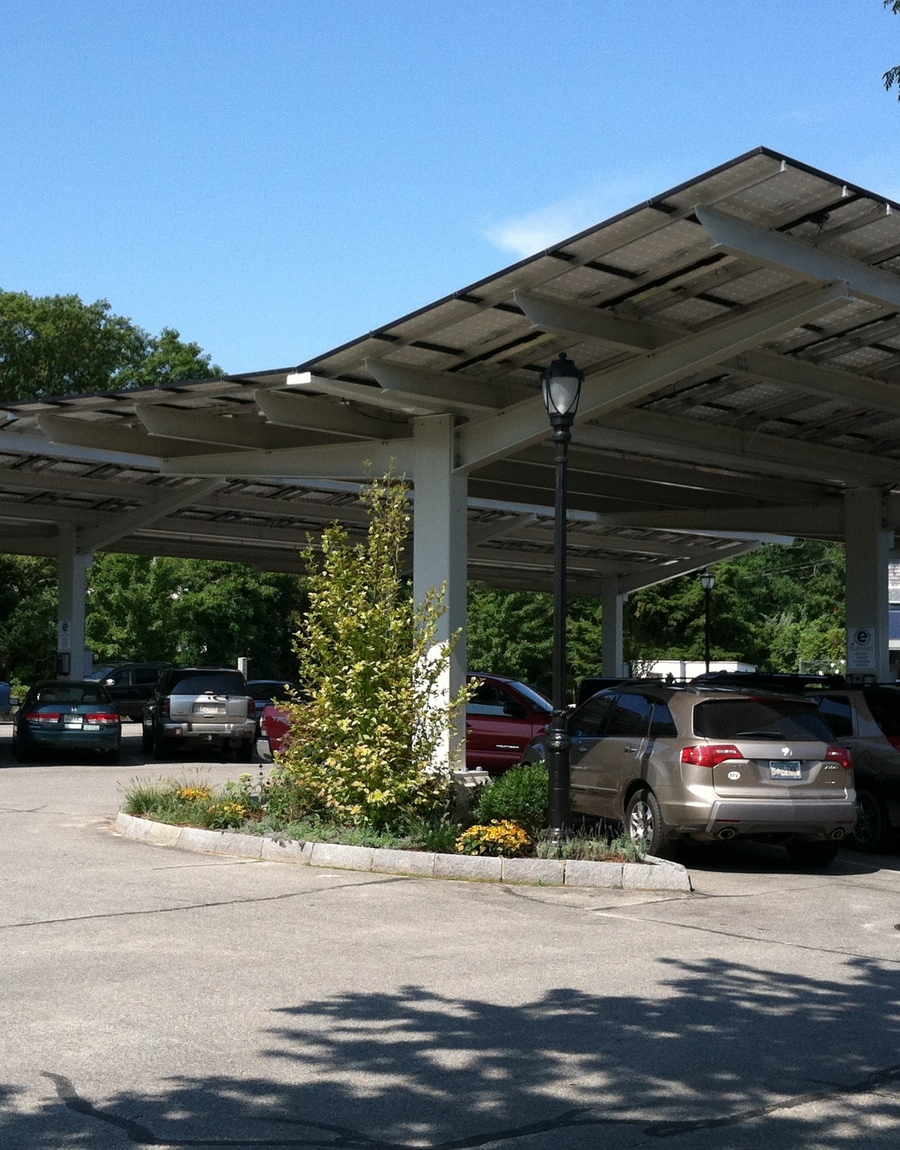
[(502, 718)]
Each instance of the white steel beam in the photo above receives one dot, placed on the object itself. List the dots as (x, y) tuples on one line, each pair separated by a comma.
[(855, 390), (439, 561), (467, 394), (247, 432), (728, 446), (807, 522), (290, 409), (93, 538), (604, 392), (336, 461), (783, 251), (560, 316), (113, 435), (405, 402), (652, 576)]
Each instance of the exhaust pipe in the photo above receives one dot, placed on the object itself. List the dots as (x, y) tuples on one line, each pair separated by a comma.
[(727, 833), (838, 834)]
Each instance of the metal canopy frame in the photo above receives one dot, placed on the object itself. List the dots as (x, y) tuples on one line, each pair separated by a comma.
[(740, 337)]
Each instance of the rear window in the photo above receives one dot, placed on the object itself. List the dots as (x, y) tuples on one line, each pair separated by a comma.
[(884, 703), (759, 718), (71, 693), (215, 682)]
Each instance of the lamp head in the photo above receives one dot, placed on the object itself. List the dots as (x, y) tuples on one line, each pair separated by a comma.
[(707, 580), (561, 388)]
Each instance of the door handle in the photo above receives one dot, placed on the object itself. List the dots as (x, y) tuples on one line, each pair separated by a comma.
[(630, 750)]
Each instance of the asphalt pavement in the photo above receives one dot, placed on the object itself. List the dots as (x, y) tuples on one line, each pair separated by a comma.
[(158, 998)]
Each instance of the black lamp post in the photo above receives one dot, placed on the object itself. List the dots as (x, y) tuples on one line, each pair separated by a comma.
[(561, 386), (707, 582)]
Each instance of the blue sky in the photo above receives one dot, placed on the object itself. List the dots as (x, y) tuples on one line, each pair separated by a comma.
[(276, 178)]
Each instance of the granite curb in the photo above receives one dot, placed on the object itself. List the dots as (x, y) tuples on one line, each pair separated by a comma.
[(655, 874)]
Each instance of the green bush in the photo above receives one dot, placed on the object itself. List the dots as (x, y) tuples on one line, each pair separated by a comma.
[(521, 795)]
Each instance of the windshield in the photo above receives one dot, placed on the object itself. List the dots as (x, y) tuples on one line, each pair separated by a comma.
[(534, 697), (759, 718)]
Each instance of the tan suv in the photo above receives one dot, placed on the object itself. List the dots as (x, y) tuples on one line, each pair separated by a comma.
[(675, 763), (209, 706)]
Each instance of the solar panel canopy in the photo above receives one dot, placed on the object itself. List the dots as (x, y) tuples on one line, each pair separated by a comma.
[(740, 339)]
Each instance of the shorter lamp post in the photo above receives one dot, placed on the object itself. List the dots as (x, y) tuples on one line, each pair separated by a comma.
[(561, 387), (707, 582)]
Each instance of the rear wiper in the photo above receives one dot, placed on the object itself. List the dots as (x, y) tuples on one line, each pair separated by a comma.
[(760, 735)]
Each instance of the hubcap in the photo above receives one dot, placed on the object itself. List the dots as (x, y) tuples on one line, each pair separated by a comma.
[(640, 825)]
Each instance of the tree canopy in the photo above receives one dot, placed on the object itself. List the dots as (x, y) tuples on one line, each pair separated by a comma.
[(59, 345), (892, 75)]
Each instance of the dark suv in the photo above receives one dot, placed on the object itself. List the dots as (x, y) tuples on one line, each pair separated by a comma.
[(130, 685), (209, 706)]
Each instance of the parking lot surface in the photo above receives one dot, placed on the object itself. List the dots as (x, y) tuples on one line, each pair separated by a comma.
[(156, 998)]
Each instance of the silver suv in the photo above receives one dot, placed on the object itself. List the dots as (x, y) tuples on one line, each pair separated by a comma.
[(200, 705), (692, 763)]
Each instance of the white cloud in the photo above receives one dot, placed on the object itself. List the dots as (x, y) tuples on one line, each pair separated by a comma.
[(526, 234)]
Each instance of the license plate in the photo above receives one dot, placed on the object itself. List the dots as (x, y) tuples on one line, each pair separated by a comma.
[(73, 721), (92, 726), (208, 709), (789, 769)]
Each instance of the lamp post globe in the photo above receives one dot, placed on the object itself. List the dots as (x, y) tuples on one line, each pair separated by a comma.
[(561, 387)]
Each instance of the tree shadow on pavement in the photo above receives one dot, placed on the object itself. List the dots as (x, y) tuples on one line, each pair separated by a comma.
[(715, 1054)]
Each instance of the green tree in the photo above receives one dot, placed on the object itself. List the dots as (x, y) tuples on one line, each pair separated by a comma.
[(363, 750), (28, 608), (892, 75), (192, 611), (59, 345)]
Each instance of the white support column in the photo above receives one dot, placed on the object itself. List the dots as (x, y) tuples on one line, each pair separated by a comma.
[(440, 549), (73, 568), (867, 544), (613, 604)]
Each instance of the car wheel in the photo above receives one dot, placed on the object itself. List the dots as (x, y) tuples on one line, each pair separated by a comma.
[(160, 746), (244, 753), (112, 758), (22, 753), (812, 854), (146, 738), (645, 825), (873, 827)]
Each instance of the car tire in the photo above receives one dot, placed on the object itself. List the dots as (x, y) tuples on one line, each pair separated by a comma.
[(645, 825), (147, 739), (814, 854), (872, 832), (161, 749), (244, 753), (112, 758), (22, 753)]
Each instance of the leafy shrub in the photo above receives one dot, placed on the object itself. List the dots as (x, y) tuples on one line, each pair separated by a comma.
[(500, 838), (521, 795), (363, 748)]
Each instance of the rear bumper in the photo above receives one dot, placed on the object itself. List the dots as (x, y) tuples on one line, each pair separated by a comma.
[(787, 816), (230, 733)]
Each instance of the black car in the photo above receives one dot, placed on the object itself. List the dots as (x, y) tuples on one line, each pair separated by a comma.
[(130, 685)]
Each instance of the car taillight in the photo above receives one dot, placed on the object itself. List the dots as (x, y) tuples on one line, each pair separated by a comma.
[(103, 717), (44, 716), (710, 754), (251, 708), (164, 706), (840, 755), (894, 740)]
